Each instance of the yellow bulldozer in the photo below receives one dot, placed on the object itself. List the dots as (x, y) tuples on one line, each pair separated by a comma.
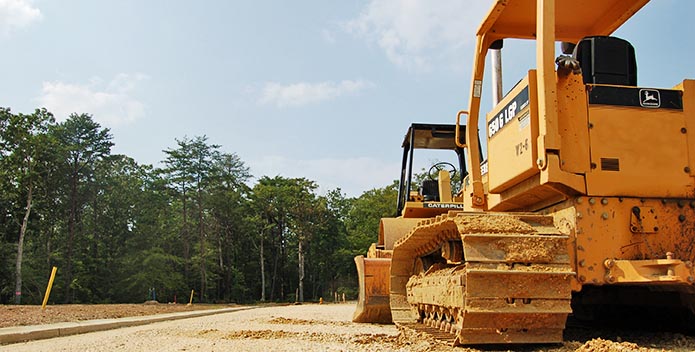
[(584, 205)]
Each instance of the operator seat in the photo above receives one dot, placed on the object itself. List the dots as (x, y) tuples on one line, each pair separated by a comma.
[(607, 60), (430, 190)]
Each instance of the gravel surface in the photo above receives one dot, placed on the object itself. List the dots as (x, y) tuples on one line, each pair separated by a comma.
[(327, 327)]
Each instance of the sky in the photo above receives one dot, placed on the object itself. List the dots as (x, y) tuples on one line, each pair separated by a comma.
[(321, 89)]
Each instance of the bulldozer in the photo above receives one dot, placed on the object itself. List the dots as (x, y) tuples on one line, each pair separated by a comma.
[(433, 198), (583, 204)]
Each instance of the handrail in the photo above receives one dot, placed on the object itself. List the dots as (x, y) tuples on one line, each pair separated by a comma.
[(458, 127)]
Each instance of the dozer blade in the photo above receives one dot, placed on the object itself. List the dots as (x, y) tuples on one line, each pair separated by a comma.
[(373, 302)]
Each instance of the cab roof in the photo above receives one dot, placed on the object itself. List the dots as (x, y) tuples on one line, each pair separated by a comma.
[(432, 136), (574, 20)]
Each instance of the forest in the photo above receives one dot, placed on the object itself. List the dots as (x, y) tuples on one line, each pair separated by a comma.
[(119, 231)]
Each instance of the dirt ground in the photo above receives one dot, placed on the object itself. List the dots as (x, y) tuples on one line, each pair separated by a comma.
[(307, 327), (16, 315)]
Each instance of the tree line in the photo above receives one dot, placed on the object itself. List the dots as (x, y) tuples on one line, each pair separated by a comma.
[(120, 231)]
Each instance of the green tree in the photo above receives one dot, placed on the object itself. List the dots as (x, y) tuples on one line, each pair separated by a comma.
[(228, 204), (190, 169), (285, 209), (271, 200), (116, 228), (325, 264), (26, 149), (150, 256), (305, 218), (293, 220), (110, 221), (180, 179), (83, 143), (367, 210)]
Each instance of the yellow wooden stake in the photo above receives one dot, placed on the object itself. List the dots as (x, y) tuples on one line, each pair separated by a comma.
[(48, 289), (190, 302)]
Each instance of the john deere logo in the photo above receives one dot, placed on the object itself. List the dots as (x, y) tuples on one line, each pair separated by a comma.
[(649, 98)]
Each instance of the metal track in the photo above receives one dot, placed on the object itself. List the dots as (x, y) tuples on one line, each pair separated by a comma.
[(511, 283)]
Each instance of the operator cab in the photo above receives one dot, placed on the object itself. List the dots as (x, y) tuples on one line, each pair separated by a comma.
[(434, 195)]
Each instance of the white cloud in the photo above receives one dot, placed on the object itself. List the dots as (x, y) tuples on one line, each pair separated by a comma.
[(352, 175), (304, 93), (419, 34), (15, 14), (111, 104)]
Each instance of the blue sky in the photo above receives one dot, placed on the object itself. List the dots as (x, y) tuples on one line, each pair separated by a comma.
[(321, 89)]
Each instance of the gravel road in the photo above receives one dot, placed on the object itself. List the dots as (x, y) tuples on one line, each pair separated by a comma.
[(285, 328), (313, 327)]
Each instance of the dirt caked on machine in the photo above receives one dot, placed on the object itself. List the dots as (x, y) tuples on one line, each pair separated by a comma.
[(585, 203)]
